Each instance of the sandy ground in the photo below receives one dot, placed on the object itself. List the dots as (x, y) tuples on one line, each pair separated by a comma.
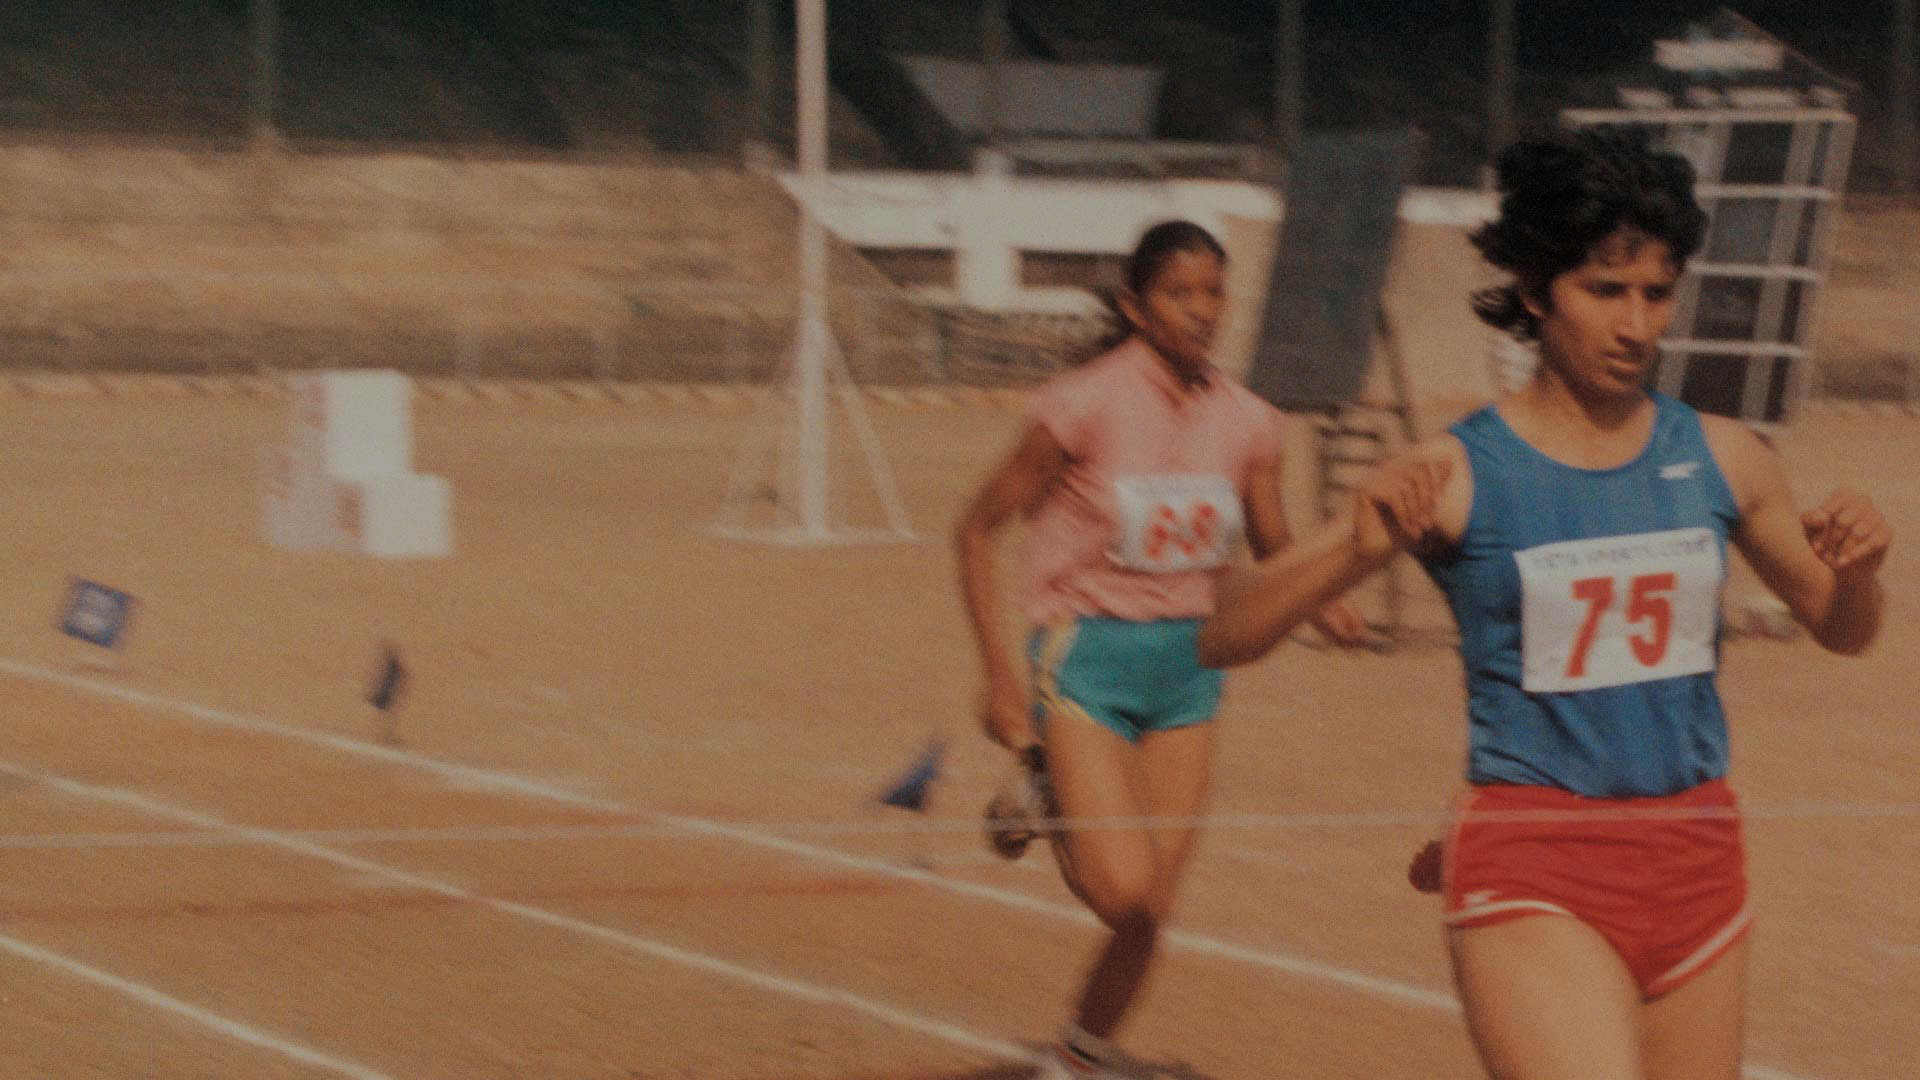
[(629, 829)]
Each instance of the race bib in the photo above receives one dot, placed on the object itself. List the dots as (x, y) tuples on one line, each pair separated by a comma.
[(1168, 524), (1618, 610)]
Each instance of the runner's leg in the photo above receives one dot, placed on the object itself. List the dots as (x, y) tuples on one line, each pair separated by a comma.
[(1547, 998), (1695, 1031)]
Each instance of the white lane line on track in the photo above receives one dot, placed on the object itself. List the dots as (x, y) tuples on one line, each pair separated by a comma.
[(791, 987), (1292, 965), (491, 779), (476, 778), (147, 995), (843, 830), (427, 835), (747, 835)]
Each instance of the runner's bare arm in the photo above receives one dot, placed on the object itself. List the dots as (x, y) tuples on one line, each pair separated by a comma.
[(1823, 564), (1268, 534), (1267, 528), (1256, 607), (1016, 484)]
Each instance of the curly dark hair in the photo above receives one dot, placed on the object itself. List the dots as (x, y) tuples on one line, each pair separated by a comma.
[(1561, 195)]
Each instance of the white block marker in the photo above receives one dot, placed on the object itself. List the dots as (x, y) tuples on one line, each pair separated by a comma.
[(343, 480)]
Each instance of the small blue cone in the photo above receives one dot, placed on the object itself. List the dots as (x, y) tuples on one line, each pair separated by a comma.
[(911, 790)]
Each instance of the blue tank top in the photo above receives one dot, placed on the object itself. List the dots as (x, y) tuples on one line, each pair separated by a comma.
[(1588, 607)]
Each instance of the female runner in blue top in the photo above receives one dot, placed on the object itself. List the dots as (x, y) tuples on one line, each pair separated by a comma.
[(1594, 876)]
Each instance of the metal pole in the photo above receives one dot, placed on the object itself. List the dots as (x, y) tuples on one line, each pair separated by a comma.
[(1289, 74), (810, 384), (1499, 79), (1902, 95), (811, 86), (264, 32)]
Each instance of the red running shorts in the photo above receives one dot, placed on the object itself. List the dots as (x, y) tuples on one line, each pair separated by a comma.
[(1663, 879)]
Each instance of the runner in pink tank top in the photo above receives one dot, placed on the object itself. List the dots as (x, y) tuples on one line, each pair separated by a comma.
[(1149, 505), (1139, 475)]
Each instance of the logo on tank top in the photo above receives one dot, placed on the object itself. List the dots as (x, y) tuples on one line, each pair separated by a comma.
[(1681, 470)]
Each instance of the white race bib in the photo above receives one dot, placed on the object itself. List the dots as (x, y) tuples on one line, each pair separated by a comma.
[(1167, 524), (1619, 609)]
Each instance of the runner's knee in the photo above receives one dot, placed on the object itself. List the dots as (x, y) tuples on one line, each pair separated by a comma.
[(1126, 899)]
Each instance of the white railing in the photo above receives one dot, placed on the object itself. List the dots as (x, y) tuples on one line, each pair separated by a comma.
[(988, 219)]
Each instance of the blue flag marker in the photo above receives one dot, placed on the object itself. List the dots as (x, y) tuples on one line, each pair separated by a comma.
[(96, 613), (388, 681), (911, 790)]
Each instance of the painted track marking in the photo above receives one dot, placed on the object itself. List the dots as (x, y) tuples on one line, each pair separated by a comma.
[(147, 995), (491, 779), (791, 987)]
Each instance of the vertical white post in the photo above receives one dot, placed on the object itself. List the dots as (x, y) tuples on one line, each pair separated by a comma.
[(810, 384), (987, 261), (818, 370)]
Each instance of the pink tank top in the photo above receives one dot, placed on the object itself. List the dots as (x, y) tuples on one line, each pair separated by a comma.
[(1150, 505)]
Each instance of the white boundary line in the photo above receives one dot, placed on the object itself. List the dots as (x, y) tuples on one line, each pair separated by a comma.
[(490, 779), (148, 996), (487, 778), (659, 950), (1199, 943), (413, 837), (435, 834)]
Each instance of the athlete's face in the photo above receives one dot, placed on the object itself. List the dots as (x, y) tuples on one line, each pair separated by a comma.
[(1179, 311), (1600, 323)]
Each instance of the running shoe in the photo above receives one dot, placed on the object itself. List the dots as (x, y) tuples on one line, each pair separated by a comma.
[(1017, 813)]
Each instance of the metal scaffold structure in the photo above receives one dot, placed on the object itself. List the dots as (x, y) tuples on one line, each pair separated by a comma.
[(781, 491)]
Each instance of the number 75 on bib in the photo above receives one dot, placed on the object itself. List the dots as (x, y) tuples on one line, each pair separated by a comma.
[(1620, 609)]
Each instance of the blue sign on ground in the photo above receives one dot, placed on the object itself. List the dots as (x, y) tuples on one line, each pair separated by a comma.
[(96, 613)]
